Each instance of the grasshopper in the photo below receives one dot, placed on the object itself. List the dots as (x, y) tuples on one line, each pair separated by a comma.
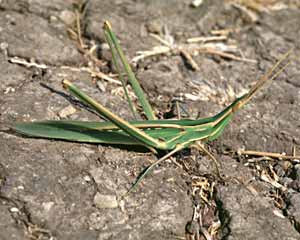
[(154, 134)]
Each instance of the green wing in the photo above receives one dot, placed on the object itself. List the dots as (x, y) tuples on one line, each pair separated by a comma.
[(89, 132)]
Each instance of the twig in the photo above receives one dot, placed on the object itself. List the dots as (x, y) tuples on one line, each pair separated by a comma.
[(267, 154), (273, 181), (250, 13), (78, 28), (186, 50), (158, 38), (76, 33), (225, 55), (26, 63), (224, 32), (189, 59), (93, 73), (158, 50), (206, 39)]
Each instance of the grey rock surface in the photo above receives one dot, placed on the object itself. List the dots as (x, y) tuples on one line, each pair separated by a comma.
[(48, 188)]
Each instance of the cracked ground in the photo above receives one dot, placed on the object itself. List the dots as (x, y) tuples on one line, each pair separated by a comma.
[(63, 190)]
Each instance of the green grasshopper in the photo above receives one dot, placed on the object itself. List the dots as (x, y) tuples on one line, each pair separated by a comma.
[(169, 135)]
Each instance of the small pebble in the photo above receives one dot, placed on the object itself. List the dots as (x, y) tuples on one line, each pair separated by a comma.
[(67, 111), (67, 16), (8, 90), (196, 3), (105, 201), (87, 178), (47, 206), (14, 210), (154, 27), (101, 86), (278, 213), (3, 46), (104, 46)]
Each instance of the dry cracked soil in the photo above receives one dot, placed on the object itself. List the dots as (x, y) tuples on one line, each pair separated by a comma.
[(64, 190)]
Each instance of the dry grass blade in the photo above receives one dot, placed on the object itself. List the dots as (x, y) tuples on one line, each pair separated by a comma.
[(271, 177), (192, 47), (189, 59), (94, 73), (268, 154), (206, 39), (24, 62), (88, 49), (157, 50), (215, 51), (260, 5)]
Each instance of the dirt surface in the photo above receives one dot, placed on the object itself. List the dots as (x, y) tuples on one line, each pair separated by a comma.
[(62, 190)]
